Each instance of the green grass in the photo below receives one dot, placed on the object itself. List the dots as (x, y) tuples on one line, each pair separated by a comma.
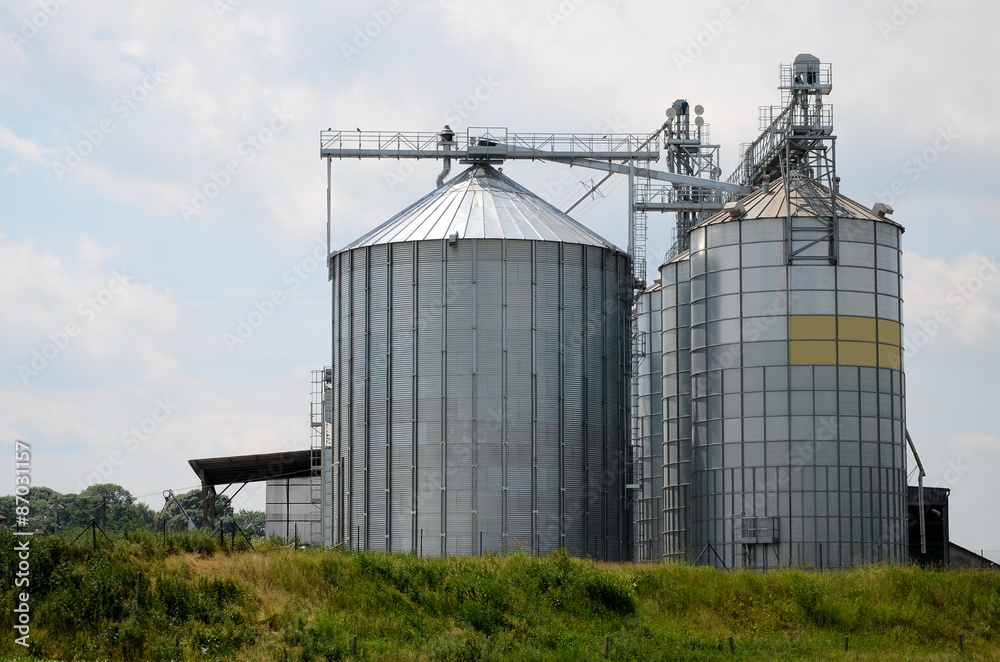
[(191, 600)]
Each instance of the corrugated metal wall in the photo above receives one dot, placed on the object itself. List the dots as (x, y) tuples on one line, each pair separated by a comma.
[(797, 399), (675, 300), (291, 511), (481, 397), (649, 411)]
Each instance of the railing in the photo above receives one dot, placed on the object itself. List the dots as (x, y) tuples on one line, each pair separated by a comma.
[(487, 141), (675, 194), (759, 530), (791, 123), (379, 140)]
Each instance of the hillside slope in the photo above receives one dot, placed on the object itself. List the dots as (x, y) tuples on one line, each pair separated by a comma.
[(187, 599)]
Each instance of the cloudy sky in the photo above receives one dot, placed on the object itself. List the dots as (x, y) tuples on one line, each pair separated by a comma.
[(160, 183)]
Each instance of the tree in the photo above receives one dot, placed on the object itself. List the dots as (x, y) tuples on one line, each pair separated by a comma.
[(40, 515), (77, 510), (123, 510)]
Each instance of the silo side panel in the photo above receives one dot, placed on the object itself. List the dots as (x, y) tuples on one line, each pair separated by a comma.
[(457, 460), (517, 322), (358, 307), (401, 410), (548, 406), (376, 350), (676, 366), (431, 356)]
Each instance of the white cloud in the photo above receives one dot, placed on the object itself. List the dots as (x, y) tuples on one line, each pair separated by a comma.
[(24, 148), (92, 318), (607, 61), (90, 389), (959, 300), (976, 441)]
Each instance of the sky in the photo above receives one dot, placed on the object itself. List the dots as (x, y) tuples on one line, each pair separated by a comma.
[(163, 203)]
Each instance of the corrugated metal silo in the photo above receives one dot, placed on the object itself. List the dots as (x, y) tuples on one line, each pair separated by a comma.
[(675, 297), (648, 426), (797, 390), (479, 346)]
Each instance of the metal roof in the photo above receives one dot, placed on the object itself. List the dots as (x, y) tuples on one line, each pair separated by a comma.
[(680, 257), (481, 203), (809, 199), (252, 468)]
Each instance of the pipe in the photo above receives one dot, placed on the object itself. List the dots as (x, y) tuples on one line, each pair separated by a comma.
[(446, 142), (651, 138), (329, 215), (447, 169), (169, 494), (920, 494)]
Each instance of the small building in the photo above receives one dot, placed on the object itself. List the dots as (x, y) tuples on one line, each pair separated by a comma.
[(935, 524), (940, 550), (292, 509)]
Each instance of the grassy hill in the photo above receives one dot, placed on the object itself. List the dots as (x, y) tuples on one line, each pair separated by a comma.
[(187, 599)]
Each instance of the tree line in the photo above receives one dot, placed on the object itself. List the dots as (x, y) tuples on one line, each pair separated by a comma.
[(115, 509)]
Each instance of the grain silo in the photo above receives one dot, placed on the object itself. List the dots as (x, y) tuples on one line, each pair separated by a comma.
[(480, 341), (797, 392), (647, 425), (675, 313), (484, 345)]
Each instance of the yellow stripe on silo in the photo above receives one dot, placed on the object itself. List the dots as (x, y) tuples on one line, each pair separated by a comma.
[(856, 328), (844, 340), (857, 353), (889, 357), (812, 327), (812, 352), (889, 332)]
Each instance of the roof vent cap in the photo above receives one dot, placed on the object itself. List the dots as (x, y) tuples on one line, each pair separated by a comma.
[(882, 210), (735, 209)]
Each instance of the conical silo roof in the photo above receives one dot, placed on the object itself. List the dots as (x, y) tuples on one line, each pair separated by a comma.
[(481, 203), (808, 199)]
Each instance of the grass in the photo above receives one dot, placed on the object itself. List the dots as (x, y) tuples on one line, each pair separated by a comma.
[(189, 599)]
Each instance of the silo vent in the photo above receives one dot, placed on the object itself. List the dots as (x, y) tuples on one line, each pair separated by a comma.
[(453, 239), (882, 209), (735, 209)]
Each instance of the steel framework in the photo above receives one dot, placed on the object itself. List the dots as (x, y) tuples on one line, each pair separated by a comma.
[(796, 144)]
